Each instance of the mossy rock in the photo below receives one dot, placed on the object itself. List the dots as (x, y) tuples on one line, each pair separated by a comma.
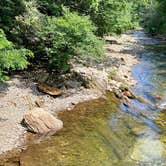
[(124, 87)]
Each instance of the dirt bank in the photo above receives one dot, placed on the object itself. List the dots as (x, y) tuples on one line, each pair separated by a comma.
[(20, 93)]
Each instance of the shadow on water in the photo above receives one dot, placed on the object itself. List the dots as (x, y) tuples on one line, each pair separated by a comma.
[(98, 133)]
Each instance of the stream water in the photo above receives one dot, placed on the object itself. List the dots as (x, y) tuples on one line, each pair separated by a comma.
[(99, 133)]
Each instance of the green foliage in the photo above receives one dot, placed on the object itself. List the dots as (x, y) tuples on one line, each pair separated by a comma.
[(10, 57), (8, 10), (50, 7), (138, 8), (113, 17), (54, 8), (109, 16), (58, 39), (68, 36), (58, 30), (27, 26), (155, 17)]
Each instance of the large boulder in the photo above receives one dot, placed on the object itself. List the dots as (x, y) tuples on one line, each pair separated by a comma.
[(42, 122)]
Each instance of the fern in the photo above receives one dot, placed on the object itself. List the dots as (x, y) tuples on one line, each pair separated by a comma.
[(10, 57)]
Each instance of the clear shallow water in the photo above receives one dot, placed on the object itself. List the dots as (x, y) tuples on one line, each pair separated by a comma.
[(150, 74), (99, 133)]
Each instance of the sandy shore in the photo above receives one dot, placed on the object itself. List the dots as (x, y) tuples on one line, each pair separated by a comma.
[(20, 93)]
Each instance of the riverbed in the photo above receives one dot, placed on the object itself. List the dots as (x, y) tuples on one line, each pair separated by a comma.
[(104, 132)]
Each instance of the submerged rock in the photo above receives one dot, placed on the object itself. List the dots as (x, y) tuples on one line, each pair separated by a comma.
[(42, 122), (162, 106), (144, 100), (148, 150), (160, 120), (126, 101), (140, 130)]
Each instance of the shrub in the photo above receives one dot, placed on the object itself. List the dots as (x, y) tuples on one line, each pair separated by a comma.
[(10, 57), (58, 39), (69, 36)]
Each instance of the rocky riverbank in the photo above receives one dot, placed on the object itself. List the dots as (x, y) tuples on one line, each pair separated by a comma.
[(20, 94)]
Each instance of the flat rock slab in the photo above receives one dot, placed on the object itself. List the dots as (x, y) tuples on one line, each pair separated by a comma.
[(42, 122), (49, 90)]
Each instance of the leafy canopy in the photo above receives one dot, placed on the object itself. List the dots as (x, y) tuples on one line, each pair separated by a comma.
[(154, 19), (58, 39), (58, 30)]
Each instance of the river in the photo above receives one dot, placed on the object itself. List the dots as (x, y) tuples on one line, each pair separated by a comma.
[(100, 133)]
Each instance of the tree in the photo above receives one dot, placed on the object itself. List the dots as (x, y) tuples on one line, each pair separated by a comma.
[(53, 7), (154, 19), (8, 11), (109, 16), (113, 17)]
